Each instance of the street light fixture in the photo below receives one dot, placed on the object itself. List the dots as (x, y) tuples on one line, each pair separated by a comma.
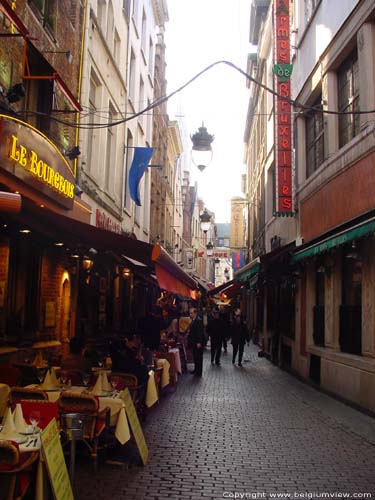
[(210, 249), (205, 219), (201, 153)]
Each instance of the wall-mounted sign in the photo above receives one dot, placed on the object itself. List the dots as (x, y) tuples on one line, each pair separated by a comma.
[(104, 222), (283, 120), (31, 157), (238, 259), (50, 315), (217, 255)]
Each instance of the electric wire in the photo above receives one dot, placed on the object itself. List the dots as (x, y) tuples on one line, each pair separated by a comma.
[(165, 98)]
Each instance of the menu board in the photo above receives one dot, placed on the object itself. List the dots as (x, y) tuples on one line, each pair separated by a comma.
[(135, 425), (55, 462)]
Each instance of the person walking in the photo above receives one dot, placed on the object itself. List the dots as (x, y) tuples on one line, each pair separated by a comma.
[(196, 340), (216, 329), (239, 335)]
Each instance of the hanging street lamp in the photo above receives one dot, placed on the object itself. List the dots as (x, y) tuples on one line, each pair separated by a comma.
[(201, 152), (205, 219)]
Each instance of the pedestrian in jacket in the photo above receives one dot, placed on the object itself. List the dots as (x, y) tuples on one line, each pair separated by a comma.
[(217, 331), (196, 340), (239, 336)]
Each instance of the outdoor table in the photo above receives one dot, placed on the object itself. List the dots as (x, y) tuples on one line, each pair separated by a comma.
[(106, 400), (177, 360), (151, 391), (25, 447), (164, 363)]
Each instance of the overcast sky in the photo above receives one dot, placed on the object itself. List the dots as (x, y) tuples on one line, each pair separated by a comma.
[(200, 32)]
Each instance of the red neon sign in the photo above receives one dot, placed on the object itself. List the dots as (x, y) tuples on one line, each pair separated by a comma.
[(283, 121)]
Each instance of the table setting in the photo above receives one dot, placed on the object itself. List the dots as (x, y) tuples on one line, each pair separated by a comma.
[(15, 428)]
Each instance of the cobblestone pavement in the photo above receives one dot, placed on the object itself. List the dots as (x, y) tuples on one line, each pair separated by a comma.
[(251, 432)]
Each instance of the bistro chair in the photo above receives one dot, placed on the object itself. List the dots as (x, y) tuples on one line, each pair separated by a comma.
[(47, 410), (16, 471), (17, 394), (172, 367), (95, 423)]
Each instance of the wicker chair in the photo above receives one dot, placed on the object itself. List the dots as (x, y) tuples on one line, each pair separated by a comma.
[(137, 391), (18, 394), (16, 470), (95, 423), (47, 409)]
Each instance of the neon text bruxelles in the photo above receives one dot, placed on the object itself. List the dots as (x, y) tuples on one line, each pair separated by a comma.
[(28, 159)]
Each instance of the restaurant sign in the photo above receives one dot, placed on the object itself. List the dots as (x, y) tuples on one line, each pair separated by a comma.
[(31, 157), (283, 120)]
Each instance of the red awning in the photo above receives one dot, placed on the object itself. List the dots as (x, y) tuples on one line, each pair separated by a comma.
[(168, 282), (226, 290), (220, 288), (170, 276), (232, 290)]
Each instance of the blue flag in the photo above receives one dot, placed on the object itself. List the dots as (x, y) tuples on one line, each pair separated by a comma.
[(138, 167)]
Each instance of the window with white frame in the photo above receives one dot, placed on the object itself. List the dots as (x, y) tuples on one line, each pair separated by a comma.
[(142, 103), (314, 137), (129, 152), (348, 99), (310, 7), (144, 34), (132, 77), (110, 27), (151, 58), (93, 106), (110, 156)]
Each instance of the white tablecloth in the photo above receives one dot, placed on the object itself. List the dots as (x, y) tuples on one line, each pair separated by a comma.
[(164, 363), (117, 412), (151, 392), (177, 360)]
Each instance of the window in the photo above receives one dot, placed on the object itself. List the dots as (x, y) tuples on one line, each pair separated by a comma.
[(144, 33), (117, 48), (47, 9), (310, 7), (350, 337), (92, 107), (110, 157), (132, 76), (151, 58), (314, 137), (126, 7), (110, 34), (141, 104), (348, 99), (128, 162), (135, 10)]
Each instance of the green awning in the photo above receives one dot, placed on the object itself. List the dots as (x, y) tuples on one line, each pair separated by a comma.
[(247, 271), (336, 240)]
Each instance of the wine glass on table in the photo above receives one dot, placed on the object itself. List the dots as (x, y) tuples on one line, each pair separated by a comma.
[(41, 373), (64, 376), (34, 418), (86, 379)]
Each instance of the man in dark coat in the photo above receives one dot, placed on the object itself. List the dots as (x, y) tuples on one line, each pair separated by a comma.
[(196, 340), (217, 330), (239, 336)]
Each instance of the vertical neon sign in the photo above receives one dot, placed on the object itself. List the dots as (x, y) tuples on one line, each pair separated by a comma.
[(283, 122)]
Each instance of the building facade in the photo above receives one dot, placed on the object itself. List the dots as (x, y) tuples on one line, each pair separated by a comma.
[(317, 266)]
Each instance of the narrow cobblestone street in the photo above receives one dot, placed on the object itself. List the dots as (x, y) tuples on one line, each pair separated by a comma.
[(250, 431)]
